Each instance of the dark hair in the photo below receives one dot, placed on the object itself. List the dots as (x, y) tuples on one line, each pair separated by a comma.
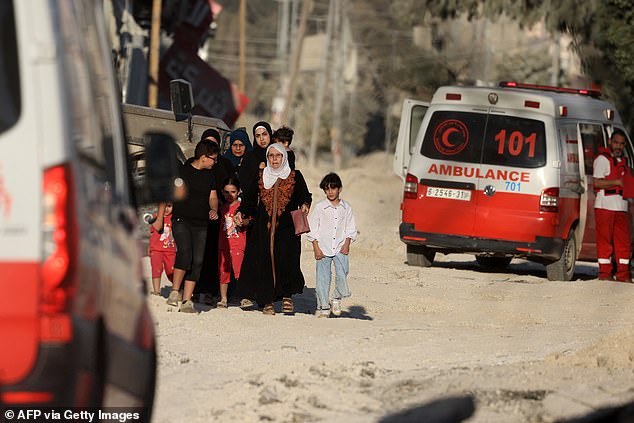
[(210, 132), (618, 131), (206, 148), (266, 126), (231, 181), (284, 133), (332, 180)]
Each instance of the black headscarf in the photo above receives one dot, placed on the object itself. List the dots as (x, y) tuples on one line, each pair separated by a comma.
[(210, 132), (250, 167)]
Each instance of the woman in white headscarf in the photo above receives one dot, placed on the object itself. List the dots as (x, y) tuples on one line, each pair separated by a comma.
[(271, 270)]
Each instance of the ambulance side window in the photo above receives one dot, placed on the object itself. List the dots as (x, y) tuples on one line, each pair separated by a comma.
[(592, 139), (418, 113), (569, 143), (10, 106)]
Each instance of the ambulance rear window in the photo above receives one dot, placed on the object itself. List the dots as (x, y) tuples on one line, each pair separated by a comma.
[(9, 72), (488, 139)]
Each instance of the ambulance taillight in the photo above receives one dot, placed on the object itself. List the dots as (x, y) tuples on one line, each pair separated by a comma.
[(410, 189), (549, 200)]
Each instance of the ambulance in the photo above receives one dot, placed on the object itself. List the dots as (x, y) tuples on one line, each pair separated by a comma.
[(75, 326), (503, 172)]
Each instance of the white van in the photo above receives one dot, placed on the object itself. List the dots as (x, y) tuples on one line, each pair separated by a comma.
[(503, 172), (75, 328)]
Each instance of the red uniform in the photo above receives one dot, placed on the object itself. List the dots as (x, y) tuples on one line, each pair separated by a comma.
[(612, 222)]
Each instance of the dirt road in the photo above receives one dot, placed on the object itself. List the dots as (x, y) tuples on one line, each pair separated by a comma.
[(526, 348)]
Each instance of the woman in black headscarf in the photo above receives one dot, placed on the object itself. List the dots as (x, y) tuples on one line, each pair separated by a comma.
[(255, 161), (239, 147), (207, 286)]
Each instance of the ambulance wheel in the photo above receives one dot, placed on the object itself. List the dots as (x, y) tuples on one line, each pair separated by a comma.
[(487, 262), (564, 268), (418, 255)]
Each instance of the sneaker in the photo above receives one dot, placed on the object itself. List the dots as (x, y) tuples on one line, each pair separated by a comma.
[(188, 307), (322, 313), (336, 307), (173, 298)]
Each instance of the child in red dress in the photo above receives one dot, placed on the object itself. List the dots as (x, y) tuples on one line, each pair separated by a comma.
[(232, 239), (162, 249)]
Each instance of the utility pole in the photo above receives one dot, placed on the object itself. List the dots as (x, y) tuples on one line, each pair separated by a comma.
[(243, 43), (337, 87), (155, 51), (321, 85), (297, 53), (554, 76)]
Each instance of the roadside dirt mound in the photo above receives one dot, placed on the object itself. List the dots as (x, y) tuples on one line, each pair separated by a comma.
[(614, 351)]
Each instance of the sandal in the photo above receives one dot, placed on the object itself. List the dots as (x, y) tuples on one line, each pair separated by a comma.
[(268, 309), (221, 304), (287, 305)]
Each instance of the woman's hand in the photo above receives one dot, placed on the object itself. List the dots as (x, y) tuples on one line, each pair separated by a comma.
[(305, 208), (213, 214)]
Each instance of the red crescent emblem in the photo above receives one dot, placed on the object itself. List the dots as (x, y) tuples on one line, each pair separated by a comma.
[(445, 137), (451, 137)]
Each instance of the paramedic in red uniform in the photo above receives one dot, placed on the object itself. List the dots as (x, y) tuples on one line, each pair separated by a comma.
[(611, 210)]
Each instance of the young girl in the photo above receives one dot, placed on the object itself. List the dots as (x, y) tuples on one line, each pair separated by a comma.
[(162, 249), (232, 239)]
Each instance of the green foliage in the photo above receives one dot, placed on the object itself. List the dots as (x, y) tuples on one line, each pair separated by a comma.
[(603, 32)]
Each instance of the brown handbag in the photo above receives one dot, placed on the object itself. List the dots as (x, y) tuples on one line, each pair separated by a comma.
[(300, 221)]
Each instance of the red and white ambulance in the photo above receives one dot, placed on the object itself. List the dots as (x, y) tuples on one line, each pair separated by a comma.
[(503, 172)]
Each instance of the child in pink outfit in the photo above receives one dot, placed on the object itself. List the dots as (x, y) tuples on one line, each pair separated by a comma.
[(162, 249), (232, 239)]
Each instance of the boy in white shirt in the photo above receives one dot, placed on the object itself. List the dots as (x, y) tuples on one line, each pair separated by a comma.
[(332, 230)]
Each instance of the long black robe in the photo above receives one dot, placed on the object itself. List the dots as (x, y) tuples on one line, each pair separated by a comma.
[(256, 276), (208, 282)]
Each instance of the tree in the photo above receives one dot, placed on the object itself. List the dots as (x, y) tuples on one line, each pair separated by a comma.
[(603, 33)]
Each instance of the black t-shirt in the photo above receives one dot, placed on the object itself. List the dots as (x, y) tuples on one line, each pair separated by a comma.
[(194, 208)]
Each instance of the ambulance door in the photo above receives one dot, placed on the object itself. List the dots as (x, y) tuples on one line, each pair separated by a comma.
[(573, 195), (592, 137), (448, 172), (510, 181), (412, 115)]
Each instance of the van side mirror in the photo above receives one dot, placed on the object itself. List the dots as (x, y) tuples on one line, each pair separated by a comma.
[(161, 166), (182, 100)]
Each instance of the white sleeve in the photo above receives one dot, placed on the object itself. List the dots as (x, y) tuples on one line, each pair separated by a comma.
[(600, 167), (351, 225), (313, 222)]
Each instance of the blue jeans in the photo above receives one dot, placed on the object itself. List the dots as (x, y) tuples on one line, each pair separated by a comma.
[(322, 288)]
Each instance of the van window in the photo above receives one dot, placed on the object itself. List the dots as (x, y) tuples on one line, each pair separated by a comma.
[(10, 106), (592, 139), (570, 148), (485, 138), (417, 115)]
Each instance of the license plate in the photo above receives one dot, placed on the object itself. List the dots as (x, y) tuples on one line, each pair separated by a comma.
[(452, 194)]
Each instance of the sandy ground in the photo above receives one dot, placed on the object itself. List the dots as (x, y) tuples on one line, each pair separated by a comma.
[(527, 349)]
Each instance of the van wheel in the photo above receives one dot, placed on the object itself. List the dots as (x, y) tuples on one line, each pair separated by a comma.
[(418, 255), (564, 268), (487, 262)]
